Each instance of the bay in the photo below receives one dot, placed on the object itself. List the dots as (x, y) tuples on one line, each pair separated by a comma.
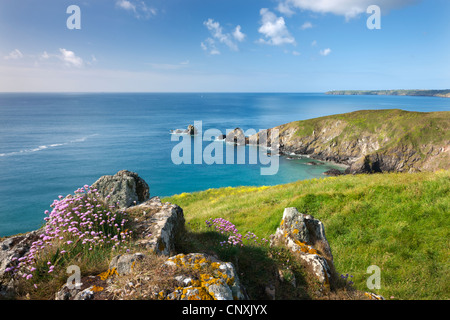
[(53, 143)]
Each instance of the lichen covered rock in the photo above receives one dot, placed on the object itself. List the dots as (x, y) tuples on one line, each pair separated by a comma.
[(123, 263), (157, 225), (305, 236), (218, 280)]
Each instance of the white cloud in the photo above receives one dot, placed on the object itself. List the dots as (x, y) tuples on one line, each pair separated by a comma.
[(238, 35), (139, 8), (125, 4), (325, 52), (285, 9), (14, 55), (296, 53), (45, 55), (274, 29), (210, 46), (347, 8), (314, 43), (306, 25), (70, 59), (218, 34)]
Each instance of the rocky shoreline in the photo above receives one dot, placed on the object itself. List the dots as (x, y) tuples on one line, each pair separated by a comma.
[(366, 141)]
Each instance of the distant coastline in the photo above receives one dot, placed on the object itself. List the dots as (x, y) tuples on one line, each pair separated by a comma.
[(423, 93)]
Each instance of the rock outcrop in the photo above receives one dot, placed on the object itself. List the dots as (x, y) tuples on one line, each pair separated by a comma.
[(123, 189), (305, 236), (11, 250), (123, 263), (333, 173), (157, 225), (191, 130), (236, 137)]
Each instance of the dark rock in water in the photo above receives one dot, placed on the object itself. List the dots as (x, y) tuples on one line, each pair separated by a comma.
[(125, 187), (333, 172), (236, 136), (191, 130), (313, 163)]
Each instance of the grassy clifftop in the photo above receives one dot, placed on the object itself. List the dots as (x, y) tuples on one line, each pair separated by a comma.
[(396, 221)]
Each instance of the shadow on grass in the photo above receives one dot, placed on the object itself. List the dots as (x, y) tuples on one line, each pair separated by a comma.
[(265, 273)]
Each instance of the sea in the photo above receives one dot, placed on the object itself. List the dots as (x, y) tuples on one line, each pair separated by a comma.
[(53, 143)]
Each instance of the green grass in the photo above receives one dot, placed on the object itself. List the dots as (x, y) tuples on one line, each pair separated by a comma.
[(397, 221), (415, 128)]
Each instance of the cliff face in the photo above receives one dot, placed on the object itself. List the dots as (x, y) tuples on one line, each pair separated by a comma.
[(372, 140)]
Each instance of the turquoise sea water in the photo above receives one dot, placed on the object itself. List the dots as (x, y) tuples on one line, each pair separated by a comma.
[(51, 144)]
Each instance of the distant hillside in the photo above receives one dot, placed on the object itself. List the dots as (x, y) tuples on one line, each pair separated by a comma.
[(372, 140), (425, 93)]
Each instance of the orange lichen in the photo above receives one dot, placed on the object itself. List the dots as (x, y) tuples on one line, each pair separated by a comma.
[(97, 288), (198, 289), (107, 274)]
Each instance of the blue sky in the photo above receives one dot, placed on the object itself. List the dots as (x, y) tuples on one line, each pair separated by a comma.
[(223, 46)]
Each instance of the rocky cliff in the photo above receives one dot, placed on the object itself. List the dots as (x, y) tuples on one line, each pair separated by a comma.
[(371, 140)]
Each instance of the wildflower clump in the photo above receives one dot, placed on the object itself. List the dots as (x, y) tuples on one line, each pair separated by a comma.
[(235, 239), (78, 225)]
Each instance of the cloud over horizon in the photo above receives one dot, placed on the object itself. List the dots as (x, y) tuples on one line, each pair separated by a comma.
[(70, 59), (14, 55)]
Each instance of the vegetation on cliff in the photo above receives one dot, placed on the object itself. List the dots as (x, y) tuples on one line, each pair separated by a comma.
[(396, 221)]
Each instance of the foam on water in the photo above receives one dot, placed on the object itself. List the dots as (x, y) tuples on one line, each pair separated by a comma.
[(43, 147)]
